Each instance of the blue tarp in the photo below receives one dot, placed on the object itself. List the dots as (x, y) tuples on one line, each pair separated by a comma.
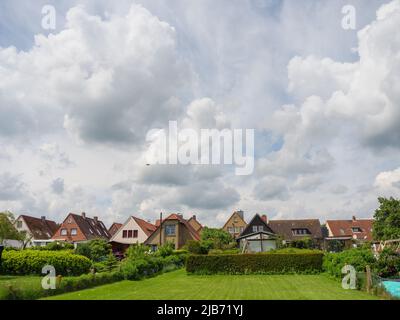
[(393, 287)]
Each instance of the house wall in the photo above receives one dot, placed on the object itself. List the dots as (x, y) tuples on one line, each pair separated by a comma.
[(69, 224), (24, 227), (235, 221), (180, 238), (130, 225)]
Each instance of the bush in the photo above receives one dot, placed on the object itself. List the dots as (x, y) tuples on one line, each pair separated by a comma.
[(255, 263), (219, 251), (197, 247), (305, 243), (359, 258), (55, 246), (96, 250), (165, 250), (388, 264), (63, 285), (31, 262), (107, 265)]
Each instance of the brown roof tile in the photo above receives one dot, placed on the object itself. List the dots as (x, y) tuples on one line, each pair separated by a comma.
[(343, 228), (91, 228), (41, 229), (147, 227), (285, 228)]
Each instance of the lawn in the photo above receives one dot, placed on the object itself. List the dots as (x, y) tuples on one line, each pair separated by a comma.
[(178, 285)]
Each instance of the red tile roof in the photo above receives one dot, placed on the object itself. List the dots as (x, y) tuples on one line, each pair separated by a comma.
[(344, 228), (41, 229), (114, 228), (147, 227)]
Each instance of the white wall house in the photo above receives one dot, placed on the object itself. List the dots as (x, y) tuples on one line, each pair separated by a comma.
[(134, 230)]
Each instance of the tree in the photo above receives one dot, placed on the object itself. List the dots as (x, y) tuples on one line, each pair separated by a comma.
[(215, 238), (96, 250), (7, 229), (387, 219)]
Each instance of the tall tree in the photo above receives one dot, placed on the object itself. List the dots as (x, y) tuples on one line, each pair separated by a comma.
[(387, 219), (7, 229)]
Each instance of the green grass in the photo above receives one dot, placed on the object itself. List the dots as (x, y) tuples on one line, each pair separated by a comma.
[(178, 285)]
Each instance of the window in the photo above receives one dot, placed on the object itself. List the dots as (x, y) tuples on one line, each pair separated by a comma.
[(255, 229), (130, 233), (69, 220), (74, 232), (170, 229), (241, 229), (356, 229), (230, 230), (135, 233), (300, 232), (64, 232), (260, 228), (19, 224), (237, 230), (124, 234)]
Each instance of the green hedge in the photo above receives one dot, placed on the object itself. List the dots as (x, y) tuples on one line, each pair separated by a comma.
[(359, 258), (31, 262), (255, 263), (64, 285)]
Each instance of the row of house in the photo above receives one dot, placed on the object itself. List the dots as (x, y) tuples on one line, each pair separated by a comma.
[(260, 234)]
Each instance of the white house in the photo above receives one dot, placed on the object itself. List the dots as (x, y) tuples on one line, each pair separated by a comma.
[(134, 230)]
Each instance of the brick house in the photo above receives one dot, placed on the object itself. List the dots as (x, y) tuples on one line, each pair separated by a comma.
[(349, 232), (290, 230), (174, 229), (236, 224), (79, 228)]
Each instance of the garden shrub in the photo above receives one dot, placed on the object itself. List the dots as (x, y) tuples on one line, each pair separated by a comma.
[(165, 250), (198, 247), (388, 264), (96, 250), (305, 243), (64, 285), (55, 246), (107, 265), (359, 258), (31, 262), (255, 263)]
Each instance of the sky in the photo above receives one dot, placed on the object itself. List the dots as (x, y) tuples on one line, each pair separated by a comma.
[(77, 102)]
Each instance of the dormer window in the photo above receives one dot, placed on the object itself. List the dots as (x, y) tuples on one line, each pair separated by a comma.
[(356, 229), (300, 232)]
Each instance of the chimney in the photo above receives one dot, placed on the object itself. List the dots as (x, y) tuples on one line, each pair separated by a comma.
[(43, 218), (84, 215), (194, 217), (96, 219), (354, 219), (265, 218), (240, 213)]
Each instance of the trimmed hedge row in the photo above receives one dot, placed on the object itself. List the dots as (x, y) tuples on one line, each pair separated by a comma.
[(64, 285), (31, 262), (255, 263)]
